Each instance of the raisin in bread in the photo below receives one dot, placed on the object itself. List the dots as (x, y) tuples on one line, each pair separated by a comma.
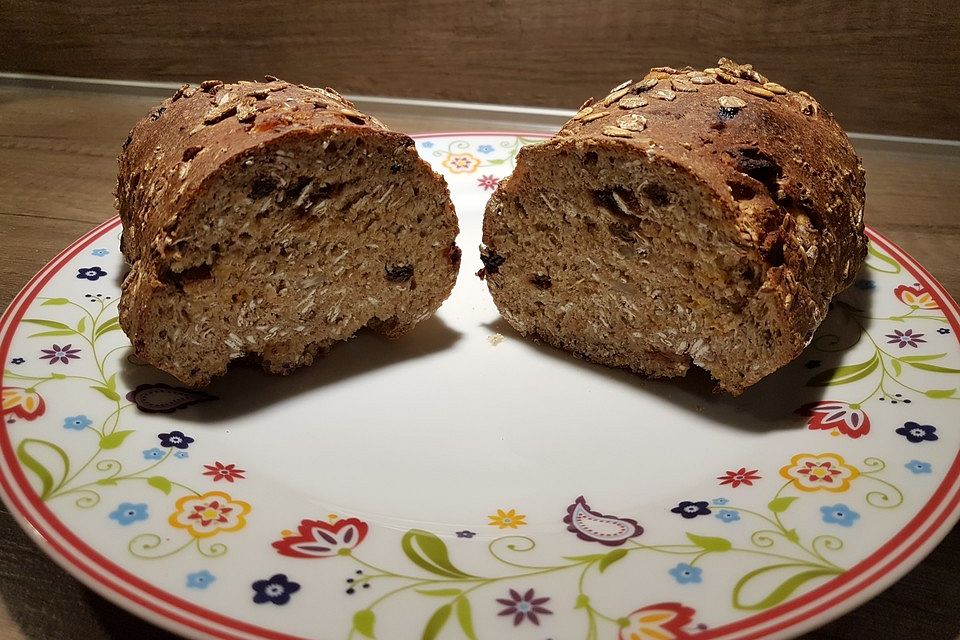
[(693, 217), (272, 220)]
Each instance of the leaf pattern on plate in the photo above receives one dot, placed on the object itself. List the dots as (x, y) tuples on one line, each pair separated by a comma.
[(98, 441)]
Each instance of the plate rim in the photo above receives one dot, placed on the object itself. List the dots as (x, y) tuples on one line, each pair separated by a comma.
[(863, 581)]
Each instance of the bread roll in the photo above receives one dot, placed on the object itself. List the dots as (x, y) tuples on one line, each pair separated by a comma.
[(692, 218), (272, 220)]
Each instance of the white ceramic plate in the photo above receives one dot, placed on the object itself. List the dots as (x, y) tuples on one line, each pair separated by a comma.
[(464, 482)]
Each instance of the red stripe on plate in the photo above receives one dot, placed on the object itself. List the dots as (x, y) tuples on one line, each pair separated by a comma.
[(113, 581)]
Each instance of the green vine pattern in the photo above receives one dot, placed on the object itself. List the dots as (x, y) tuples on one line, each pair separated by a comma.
[(457, 157), (780, 560), (887, 367), (62, 478), (781, 553)]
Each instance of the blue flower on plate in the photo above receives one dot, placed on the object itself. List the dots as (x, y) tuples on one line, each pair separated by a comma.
[(153, 454), (727, 515), (17, 361), (427, 145), (465, 534), (683, 573), (200, 579), (77, 423), (128, 513), (174, 439), (918, 467), (865, 285), (181, 454), (916, 433), (839, 514), (720, 501), (485, 148), (90, 273), (276, 589), (99, 252), (689, 509)]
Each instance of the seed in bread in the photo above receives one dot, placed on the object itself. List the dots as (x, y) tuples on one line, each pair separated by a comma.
[(714, 235), (272, 220)]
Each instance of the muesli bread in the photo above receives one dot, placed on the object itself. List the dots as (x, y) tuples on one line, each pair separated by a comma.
[(272, 220), (692, 218)]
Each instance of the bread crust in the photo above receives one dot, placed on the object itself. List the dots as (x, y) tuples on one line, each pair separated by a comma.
[(776, 164), (171, 152), (174, 155)]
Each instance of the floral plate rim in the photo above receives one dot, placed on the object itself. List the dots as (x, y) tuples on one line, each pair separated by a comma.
[(863, 581)]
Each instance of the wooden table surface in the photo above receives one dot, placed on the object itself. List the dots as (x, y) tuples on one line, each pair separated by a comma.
[(58, 144)]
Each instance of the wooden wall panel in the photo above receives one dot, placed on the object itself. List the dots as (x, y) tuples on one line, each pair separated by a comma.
[(888, 67)]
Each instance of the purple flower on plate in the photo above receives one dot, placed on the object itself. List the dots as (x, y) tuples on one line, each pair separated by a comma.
[(162, 398), (17, 361), (525, 607), (943, 331), (62, 354), (905, 338), (594, 526), (174, 439), (276, 589), (90, 273), (917, 433), (465, 534), (689, 509)]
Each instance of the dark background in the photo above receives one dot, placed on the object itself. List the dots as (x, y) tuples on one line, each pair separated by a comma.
[(884, 67)]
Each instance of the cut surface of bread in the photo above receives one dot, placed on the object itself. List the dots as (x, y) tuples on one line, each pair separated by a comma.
[(678, 231), (277, 236)]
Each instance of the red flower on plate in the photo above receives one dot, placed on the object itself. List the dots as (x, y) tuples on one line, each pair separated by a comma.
[(23, 403), (917, 297), (840, 417), (220, 471), (319, 539), (488, 182), (662, 621), (739, 477)]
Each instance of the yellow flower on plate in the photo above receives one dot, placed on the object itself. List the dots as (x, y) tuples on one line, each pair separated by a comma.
[(827, 471), (209, 514), (507, 519), (461, 163)]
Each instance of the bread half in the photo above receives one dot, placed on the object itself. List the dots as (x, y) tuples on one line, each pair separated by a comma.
[(696, 217), (272, 220)]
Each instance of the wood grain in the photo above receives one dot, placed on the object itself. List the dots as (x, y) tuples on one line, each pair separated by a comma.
[(885, 67), (57, 165)]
